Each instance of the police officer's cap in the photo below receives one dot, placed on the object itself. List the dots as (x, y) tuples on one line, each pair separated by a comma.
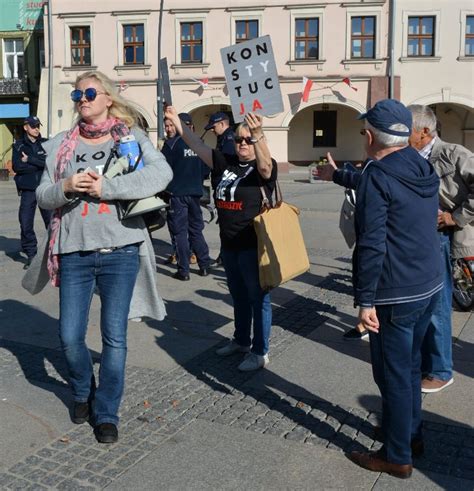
[(186, 118), (216, 118), (32, 121)]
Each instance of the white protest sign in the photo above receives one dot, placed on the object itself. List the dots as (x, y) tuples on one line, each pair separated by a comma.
[(252, 78)]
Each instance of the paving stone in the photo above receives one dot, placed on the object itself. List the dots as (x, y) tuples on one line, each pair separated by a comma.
[(52, 480)]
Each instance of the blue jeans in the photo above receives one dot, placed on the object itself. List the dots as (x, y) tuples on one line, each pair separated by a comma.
[(250, 301), (186, 224), (437, 357), (396, 366), (114, 274)]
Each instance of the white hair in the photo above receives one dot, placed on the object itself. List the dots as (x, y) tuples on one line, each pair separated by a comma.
[(423, 117), (387, 140)]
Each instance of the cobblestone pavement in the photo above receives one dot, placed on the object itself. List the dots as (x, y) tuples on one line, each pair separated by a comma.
[(156, 406)]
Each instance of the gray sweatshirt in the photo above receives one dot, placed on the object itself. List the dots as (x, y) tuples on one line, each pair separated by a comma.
[(154, 177)]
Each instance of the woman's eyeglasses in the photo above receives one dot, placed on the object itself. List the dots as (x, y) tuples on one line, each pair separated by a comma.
[(240, 139), (363, 132), (90, 94)]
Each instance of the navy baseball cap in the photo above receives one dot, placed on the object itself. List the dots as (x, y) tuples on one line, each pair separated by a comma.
[(387, 113), (216, 118), (32, 121), (185, 118)]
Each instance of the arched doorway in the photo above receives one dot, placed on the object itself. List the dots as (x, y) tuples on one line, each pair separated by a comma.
[(201, 116), (456, 123), (322, 128)]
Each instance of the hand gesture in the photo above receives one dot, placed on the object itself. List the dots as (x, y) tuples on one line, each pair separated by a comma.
[(326, 171), (95, 189), (254, 122), (445, 219), (77, 183), (368, 317), (24, 157), (171, 114)]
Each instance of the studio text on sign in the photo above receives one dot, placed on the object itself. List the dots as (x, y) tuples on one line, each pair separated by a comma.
[(252, 78)]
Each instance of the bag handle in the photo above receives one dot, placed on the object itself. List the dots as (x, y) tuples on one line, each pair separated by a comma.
[(266, 200)]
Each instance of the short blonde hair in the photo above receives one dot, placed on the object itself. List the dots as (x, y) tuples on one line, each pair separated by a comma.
[(120, 108), (240, 127)]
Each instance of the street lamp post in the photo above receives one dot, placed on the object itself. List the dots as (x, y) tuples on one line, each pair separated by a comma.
[(50, 67), (159, 82)]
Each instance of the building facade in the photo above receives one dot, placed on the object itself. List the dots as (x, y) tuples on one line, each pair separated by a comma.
[(327, 42), (21, 60)]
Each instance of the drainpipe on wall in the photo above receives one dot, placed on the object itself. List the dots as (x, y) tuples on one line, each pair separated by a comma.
[(50, 67), (159, 85), (391, 49)]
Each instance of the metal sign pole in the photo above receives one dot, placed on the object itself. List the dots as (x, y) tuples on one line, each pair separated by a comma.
[(159, 84)]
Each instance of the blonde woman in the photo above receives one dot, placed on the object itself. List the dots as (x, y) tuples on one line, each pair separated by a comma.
[(90, 247)]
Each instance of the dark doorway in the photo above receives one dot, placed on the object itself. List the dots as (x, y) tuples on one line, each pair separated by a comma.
[(324, 128)]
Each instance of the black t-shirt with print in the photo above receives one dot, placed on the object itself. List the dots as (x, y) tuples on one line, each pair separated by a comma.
[(238, 199)]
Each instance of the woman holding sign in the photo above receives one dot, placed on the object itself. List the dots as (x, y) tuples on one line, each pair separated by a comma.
[(238, 202)]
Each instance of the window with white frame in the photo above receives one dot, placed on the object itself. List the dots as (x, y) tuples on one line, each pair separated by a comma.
[(365, 33), (133, 44), (80, 45), (363, 36), (307, 39), (306, 35), (469, 36), (191, 42), (13, 58), (245, 30), (421, 35), (190, 39), (245, 24)]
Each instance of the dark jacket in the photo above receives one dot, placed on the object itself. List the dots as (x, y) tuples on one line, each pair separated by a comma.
[(397, 256), (188, 169), (225, 142), (28, 174)]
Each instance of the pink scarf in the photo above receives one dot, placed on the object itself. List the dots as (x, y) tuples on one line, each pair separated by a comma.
[(117, 129)]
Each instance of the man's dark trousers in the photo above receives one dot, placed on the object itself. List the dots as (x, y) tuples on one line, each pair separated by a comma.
[(396, 366), (186, 225), (26, 216)]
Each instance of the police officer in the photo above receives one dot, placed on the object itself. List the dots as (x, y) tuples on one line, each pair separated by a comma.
[(184, 215), (219, 124), (29, 160)]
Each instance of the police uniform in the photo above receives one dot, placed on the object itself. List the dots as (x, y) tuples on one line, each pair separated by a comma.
[(184, 215), (27, 179)]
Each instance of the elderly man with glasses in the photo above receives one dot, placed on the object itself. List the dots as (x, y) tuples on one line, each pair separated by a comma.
[(29, 160)]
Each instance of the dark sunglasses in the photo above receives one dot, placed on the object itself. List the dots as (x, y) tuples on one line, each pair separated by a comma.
[(90, 94), (363, 132), (34, 126), (240, 139)]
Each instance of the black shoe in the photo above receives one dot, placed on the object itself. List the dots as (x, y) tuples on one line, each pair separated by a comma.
[(106, 433), (217, 261), (204, 271), (181, 276), (355, 334), (28, 262), (80, 412)]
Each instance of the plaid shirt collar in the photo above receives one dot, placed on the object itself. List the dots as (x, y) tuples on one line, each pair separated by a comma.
[(425, 152)]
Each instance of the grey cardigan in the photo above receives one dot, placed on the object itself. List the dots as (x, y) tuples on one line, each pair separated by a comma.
[(154, 177), (454, 165)]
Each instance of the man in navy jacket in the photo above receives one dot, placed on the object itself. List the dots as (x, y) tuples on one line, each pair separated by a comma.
[(29, 159), (184, 215), (397, 277)]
